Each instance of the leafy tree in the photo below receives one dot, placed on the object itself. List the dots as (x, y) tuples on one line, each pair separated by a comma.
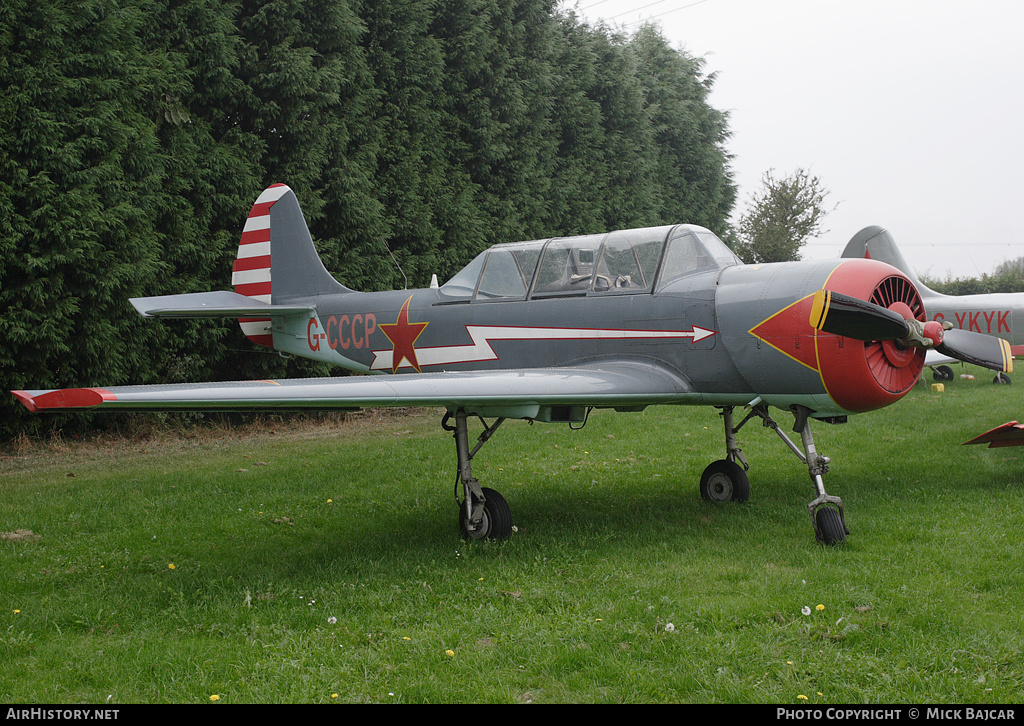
[(81, 173), (576, 171), (135, 135), (690, 163), (781, 217)]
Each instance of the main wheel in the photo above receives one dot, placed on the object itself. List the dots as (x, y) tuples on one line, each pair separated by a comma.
[(942, 373), (1001, 379), (724, 481), (830, 528), (497, 518)]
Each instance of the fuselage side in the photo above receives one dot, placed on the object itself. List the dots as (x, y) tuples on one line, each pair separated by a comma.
[(735, 332)]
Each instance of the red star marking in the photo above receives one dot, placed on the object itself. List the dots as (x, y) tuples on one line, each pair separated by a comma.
[(403, 335)]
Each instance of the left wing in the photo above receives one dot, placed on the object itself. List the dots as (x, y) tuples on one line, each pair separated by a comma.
[(524, 393)]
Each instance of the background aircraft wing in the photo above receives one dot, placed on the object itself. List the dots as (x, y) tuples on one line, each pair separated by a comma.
[(933, 358), (1009, 434), (511, 393)]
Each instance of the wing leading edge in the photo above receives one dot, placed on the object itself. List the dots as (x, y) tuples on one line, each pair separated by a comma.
[(526, 393)]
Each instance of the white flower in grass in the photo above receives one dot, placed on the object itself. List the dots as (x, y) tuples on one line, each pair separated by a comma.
[(805, 610)]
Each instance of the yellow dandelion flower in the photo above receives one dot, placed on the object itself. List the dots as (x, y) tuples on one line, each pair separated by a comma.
[(170, 566), (214, 697), (450, 653), (334, 695), (819, 607), (802, 697), (17, 611)]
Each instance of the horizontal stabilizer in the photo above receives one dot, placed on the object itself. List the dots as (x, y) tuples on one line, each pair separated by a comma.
[(220, 304), (1009, 434)]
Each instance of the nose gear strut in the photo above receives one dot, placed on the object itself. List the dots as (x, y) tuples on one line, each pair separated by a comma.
[(826, 511)]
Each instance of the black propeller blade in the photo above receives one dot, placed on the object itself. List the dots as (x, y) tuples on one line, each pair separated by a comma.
[(977, 348), (850, 317), (833, 312)]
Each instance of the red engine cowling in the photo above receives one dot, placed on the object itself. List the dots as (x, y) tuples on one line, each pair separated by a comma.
[(862, 376)]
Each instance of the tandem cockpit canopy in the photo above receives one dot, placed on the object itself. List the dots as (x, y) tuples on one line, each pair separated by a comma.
[(624, 262)]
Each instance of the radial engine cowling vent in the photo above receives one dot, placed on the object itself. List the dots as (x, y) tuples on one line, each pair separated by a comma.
[(895, 367)]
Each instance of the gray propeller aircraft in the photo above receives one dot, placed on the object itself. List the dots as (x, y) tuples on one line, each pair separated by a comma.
[(992, 313), (548, 330), (1000, 314)]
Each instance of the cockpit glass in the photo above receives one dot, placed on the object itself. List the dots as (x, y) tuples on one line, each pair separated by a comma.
[(692, 250), (568, 265), (509, 271), (718, 249), (464, 282), (619, 262), (629, 260)]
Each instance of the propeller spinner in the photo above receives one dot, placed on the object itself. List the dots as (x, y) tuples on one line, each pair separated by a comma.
[(833, 312)]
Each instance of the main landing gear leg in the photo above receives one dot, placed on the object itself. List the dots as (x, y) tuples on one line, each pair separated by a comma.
[(826, 511), (483, 513), (726, 479)]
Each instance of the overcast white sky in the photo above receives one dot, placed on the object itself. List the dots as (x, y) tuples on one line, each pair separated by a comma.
[(910, 112)]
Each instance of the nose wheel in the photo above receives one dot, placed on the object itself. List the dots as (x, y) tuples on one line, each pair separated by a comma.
[(828, 526)]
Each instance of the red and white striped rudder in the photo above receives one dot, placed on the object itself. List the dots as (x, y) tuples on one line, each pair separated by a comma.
[(251, 274)]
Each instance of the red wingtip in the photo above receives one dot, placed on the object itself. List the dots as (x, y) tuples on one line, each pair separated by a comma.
[(64, 398), (1009, 434), (26, 401)]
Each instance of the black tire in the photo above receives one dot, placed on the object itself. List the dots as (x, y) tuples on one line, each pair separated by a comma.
[(1001, 379), (497, 520), (724, 481), (942, 373), (830, 526)]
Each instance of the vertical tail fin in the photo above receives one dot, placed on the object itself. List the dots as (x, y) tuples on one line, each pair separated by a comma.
[(877, 244), (277, 262)]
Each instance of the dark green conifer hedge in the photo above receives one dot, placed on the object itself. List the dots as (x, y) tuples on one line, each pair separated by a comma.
[(135, 135)]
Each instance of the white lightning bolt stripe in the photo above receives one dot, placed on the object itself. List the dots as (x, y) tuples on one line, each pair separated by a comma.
[(482, 335)]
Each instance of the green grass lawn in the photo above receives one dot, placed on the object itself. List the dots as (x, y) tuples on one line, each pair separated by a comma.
[(323, 563)]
